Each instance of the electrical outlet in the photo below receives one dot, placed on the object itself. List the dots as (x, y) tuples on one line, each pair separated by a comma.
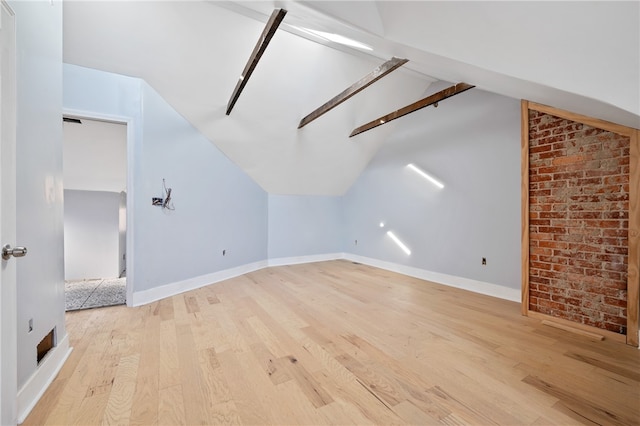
[(30, 325), (484, 260)]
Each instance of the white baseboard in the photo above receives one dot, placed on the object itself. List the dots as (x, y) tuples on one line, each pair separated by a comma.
[(444, 279), (39, 382), (147, 296), (282, 261)]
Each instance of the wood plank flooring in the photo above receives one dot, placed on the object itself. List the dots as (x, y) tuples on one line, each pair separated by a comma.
[(335, 343)]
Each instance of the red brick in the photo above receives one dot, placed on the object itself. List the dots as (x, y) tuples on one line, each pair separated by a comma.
[(540, 208), (618, 267), (538, 149), (588, 181), (615, 319), (541, 251), (547, 155), (616, 197), (553, 244), (608, 189), (556, 260), (540, 193), (621, 303), (585, 215), (557, 122), (579, 191), (552, 305), (587, 206), (612, 258), (553, 215), (624, 250), (588, 248), (566, 300), (580, 263), (569, 238), (540, 178), (539, 222), (615, 328), (615, 215), (540, 266), (539, 135), (539, 280), (615, 233), (564, 175), (615, 143), (538, 294), (552, 229)]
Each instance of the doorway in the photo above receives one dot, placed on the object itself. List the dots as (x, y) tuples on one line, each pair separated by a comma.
[(95, 194)]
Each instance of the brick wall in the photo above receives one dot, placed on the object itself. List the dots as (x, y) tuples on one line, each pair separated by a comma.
[(578, 206)]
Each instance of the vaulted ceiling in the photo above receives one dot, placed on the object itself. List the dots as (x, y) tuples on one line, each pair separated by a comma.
[(580, 56)]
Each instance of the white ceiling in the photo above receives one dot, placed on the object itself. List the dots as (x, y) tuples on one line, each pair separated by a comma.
[(581, 56), (95, 156)]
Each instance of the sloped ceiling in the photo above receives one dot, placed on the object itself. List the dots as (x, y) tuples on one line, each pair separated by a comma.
[(584, 57)]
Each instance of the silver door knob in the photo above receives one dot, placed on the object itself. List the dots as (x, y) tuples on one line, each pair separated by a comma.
[(7, 251)]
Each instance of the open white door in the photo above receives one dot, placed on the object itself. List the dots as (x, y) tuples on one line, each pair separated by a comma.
[(8, 303)]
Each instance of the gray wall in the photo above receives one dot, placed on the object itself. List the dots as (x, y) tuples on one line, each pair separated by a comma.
[(303, 225), (217, 206), (91, 234), (40, 275), (471, 143)]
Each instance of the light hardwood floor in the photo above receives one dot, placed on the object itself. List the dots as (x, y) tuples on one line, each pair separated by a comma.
[(335, 343)]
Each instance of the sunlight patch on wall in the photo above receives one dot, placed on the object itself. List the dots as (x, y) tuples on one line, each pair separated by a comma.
[(399, 243), (425, 175)]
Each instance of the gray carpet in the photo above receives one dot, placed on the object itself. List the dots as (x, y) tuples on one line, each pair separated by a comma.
[(85, 294)]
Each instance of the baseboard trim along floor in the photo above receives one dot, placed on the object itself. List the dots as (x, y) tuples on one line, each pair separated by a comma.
[(147, 296)]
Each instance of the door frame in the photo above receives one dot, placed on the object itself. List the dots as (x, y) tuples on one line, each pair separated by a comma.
[(130, 123)]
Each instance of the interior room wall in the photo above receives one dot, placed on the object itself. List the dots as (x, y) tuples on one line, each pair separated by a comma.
[(471, 143), (91, 234), (39, 204), (222, 219), (95, 156), (304, 225), (217, 206)]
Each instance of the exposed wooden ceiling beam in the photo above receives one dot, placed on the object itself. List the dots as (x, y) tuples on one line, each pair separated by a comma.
[(375, 75), (267, 34), (429, 100)]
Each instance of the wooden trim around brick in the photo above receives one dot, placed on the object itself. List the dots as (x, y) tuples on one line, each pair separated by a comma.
[(633, 262), (621, 338), (525, 204), (590, 121)]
